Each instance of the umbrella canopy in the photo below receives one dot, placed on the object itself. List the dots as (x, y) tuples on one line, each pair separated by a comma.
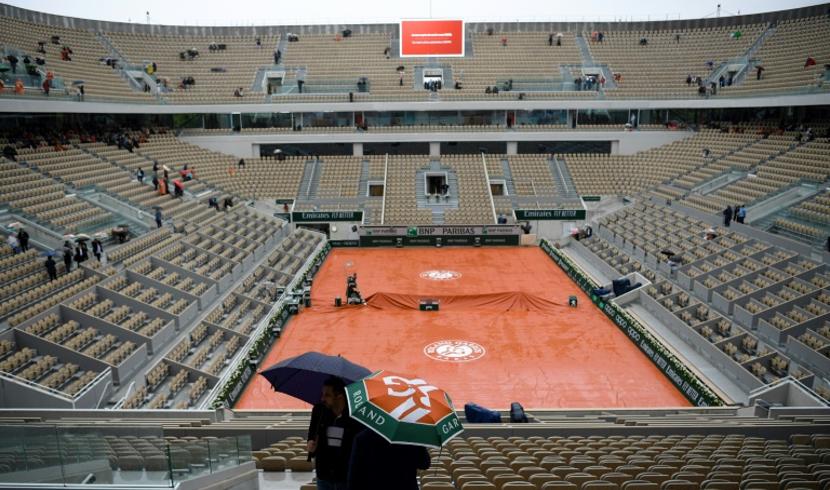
[(78, 82), (403, 409), (302, 376)]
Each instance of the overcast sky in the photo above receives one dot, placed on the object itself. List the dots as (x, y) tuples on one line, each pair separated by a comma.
[(265, 12)]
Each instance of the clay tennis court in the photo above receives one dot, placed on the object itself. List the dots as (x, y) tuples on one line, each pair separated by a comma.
[(512, 302)]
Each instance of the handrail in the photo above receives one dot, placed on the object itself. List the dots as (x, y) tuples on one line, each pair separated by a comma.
[(489, 192), (385, 189)]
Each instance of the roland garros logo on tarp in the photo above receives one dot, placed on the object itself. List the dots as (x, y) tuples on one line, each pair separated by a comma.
[(454, 351), (440, 275), (404, 408)]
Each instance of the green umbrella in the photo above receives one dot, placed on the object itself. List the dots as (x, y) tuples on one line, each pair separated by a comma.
[(403, 409)]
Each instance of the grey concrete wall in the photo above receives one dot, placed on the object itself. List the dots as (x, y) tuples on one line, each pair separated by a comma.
[(135, 305), (182, 318), (712, 352), (205, 299)]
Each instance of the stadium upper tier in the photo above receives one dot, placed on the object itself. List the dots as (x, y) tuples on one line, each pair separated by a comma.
[(774, 53)]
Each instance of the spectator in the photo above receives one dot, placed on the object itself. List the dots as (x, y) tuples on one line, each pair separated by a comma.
[(238, 92), (677, 38), (741, 213), (10, 152), (333, 434), (97, 249), (67, 256), (84, 251), (689, 79), (727, 216), (78, 257), (158, 217), (258, 42), (504, 41), (643, 41), (40, 47), (735, 210), (600, 36), (23, 239), (155, 182), (51, 268), (178, 188), (378, 465), (722, 81), (65, 53), (758, 71), (241, 163), (12, 62), (559, 40), (47, 84), (40, 61), (810, 62), (13, 243), (81, 92)]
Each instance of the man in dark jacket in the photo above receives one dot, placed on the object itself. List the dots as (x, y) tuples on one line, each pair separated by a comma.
[(378, 465), (67, 256), (23, 238), (51, 268), (334, 432), (727, 216)]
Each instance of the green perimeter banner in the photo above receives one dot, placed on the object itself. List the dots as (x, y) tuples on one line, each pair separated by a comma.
[(550, 214), (445, 240), (440, 230), (344, 243), (591, 198), (686, 381), (325, 216)]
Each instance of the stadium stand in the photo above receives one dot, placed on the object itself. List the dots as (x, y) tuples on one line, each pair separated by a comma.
[(134, 362)]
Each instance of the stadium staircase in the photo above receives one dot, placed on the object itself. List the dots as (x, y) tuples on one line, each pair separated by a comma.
[(134, 75), (743, 64), (507, 173), (310, 180), (563, 182)]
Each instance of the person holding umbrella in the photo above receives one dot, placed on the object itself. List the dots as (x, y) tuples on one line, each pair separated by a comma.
[(302, 377), (334, 434), (67, 256)]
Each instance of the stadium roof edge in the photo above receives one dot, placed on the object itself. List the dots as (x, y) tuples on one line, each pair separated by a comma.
[(31, 105), (44, 18)]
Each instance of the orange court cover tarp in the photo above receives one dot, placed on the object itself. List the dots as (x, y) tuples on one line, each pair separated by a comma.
[(503, 331)]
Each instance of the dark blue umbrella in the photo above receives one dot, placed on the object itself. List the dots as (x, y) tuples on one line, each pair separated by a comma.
[(302, 376)]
